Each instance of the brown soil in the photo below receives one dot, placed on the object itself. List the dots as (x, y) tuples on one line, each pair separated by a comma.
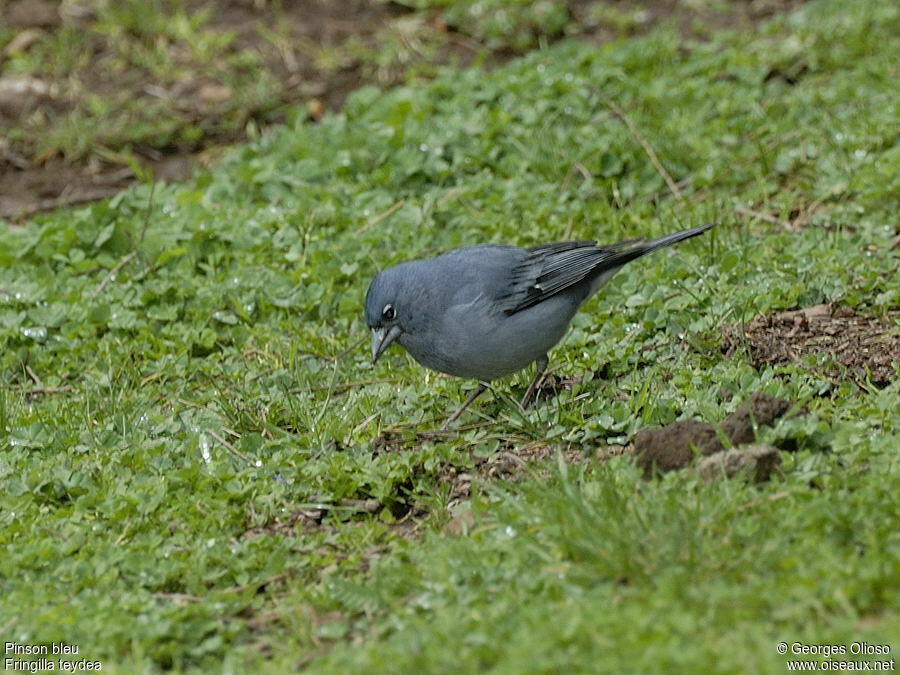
[(517, 462), (29, 185), (861, 347), (512, 461)]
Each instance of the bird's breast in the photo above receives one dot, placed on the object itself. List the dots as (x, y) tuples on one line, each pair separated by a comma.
[(477, 340)]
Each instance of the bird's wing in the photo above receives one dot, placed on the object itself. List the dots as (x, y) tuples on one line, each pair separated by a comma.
[(547, 270), (552, 268), (541, 272)]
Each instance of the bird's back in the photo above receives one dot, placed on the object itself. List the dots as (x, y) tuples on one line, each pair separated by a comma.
[(461, 327), (465, 273)]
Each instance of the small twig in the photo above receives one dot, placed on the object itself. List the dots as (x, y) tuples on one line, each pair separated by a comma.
[(455, 431), (802, 218), (573, 167), (231, 448), (70, 198), (345, 385), (566, 180), (114, 177), (683, 183), (266, 356), (147, 213), (763, 500), (128, 258), (450, 196), (113, 272), (583, 170), (33, 375), (48, 390), (763, 216), (150, 378), (257, 584), (178, 598), (339, 355), (324, 407), (381, 216), (367, 505), (359, 427), (465, 43), (345, 505), (600, 117), (651, 153), (350, 348)]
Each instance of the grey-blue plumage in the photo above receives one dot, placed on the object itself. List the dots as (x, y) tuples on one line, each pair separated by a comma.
[(486, 311)]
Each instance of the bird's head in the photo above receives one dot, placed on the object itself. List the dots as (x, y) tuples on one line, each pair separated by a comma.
[(385, 310)]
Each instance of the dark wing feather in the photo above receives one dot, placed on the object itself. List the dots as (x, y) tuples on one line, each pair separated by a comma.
[(552, 268)]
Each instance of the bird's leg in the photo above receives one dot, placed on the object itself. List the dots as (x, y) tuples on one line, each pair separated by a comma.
[(538, 376), (455, 416)]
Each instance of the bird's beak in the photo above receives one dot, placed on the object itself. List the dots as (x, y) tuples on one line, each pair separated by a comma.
[(382, 339)]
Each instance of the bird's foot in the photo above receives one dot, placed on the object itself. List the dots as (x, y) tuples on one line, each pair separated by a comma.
[(535, 382), (455, 416)]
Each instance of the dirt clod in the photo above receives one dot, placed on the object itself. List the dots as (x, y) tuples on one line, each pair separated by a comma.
[(672, 447), (33, 14), (761, 408), (757, 461)]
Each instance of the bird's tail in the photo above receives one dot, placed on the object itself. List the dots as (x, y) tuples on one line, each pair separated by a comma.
[(580, 263), (670, 239), (618, 255)]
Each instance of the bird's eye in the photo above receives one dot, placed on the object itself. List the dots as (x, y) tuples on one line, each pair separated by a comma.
[(389, 313)]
